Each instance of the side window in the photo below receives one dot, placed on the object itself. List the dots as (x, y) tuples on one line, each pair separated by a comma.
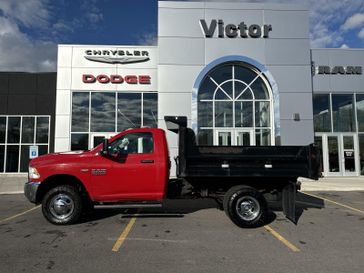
[(134, 143)]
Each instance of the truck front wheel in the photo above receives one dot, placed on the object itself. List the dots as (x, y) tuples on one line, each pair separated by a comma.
[(245, 206), (62, 205)]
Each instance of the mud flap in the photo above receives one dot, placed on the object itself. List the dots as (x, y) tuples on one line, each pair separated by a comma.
[(289, 202)]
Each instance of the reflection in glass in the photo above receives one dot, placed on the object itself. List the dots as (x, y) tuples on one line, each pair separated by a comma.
[(42, 149), (262, 137), (27, 130), (243, 74), (262, 117), (2, 129), (321, 113), (80, 111), (243, 114), (260, 89), (342, 113), (206, 90), (2, 157), (205, 137), (150, 110), (24, 158), (224, 138), (42, 130), (12, 158), (13, 129), (205, 114), (360, 111), (221, 74), (318, 142), (333, 154), (79, 142), (225, 91), (361, 152), (238, 87), (243, 138), (223, 114), (103, 112), (129, 111)]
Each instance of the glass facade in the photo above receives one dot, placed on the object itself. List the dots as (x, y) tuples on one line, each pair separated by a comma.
[(234, 100), (17, 134), (340, 114), (110, 112)]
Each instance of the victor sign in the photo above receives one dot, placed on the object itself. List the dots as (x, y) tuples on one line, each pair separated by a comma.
[(117, 56), (232, 31)]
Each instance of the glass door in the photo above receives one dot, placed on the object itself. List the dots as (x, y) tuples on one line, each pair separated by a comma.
[(227, 137), (244, 138), (223, 138), (334, 166), (349, 159), (340, 153)]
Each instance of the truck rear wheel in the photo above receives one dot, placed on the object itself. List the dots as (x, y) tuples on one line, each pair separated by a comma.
[(62, 205), (245, 206)]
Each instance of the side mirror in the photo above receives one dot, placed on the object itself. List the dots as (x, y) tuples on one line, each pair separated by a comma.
[(105, 147)]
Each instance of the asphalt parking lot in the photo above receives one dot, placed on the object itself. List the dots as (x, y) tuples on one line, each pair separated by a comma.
[(186, 236)]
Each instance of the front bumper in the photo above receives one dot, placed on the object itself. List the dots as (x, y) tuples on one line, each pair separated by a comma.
[(30, 190)]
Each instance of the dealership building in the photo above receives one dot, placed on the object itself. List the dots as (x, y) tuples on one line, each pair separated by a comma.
[(243, 74)]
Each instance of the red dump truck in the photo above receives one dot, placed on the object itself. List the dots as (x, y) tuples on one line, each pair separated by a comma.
[(132, 170)]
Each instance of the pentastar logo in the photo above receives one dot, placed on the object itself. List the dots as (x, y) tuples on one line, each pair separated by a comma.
[(116, 56)]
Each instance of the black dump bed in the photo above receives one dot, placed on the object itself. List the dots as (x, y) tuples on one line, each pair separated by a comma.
[(241, 161)]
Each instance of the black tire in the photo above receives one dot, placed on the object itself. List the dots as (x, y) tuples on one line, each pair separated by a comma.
[(62, 205), (245, 206)]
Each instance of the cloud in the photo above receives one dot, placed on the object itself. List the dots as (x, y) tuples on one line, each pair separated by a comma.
[(30, 13), (354, 21), (20, 53), (361, 34), (344, 46), (148, 39)]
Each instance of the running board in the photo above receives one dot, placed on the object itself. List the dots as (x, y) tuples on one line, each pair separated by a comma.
[(128, 206)]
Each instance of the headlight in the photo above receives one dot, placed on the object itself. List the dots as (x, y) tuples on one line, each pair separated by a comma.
[(33, 173)]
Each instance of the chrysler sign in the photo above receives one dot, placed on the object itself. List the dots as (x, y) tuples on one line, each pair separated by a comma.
[(117, 56)]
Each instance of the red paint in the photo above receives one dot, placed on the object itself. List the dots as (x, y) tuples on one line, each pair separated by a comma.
[(124, 180), (116, 79)]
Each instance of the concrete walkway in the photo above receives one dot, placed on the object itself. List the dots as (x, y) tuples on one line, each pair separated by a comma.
[(333, 184), (14, 184)]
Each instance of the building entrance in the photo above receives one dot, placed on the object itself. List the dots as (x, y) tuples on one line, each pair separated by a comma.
[(340, 153), (227, 137)]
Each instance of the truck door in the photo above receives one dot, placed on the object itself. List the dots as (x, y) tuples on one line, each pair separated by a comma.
[(133, 170)]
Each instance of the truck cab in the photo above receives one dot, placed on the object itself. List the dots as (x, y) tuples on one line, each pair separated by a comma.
[(131, 166)]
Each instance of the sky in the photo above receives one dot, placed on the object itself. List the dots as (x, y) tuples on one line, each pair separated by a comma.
[(31, 29)]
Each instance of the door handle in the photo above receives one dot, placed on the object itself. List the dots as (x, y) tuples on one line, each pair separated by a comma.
[(146, 161)]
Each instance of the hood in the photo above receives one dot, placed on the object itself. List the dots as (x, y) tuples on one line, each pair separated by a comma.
[(55, 158)]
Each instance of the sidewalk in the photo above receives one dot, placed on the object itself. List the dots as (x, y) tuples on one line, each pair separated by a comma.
[(14, 184), (333, 184)]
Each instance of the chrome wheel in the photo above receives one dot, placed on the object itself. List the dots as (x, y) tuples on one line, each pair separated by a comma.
[(61, 206), (247, 208)]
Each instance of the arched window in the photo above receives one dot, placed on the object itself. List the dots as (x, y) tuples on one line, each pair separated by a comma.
[(234, 106)]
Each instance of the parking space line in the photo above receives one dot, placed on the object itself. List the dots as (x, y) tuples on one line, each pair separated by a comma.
[(334, 202), (19, 214), (124, 234), (282, 239)]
